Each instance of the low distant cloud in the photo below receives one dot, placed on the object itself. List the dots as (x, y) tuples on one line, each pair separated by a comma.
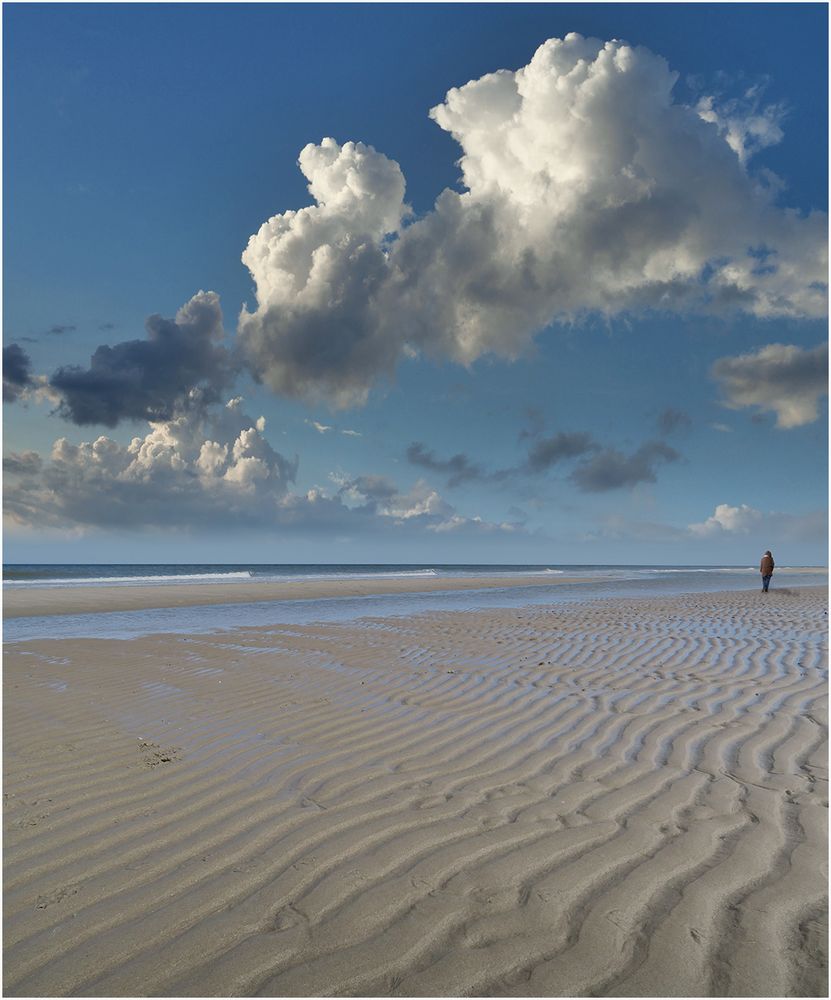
[(776, 527), (722, 428), (728, 523), (610, 469), (780, 378), (671, 420), (585, 188), (458, 469), (17, 372), (182, 359), (351, 433), (106, 327), (732, 520), (213, 467), (193, 470), (24, 463), (60, 328)]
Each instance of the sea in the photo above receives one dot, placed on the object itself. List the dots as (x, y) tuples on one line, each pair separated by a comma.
[(591, 581)]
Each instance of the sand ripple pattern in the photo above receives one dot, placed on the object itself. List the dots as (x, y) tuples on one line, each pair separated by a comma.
[(622, 797)]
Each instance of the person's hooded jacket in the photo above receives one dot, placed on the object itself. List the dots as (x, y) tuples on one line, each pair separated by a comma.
[(766, 565)]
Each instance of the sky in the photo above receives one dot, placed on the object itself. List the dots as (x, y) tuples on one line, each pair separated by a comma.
[(472, 283)]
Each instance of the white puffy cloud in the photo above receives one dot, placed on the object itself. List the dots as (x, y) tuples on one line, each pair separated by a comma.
[(764, 528), (210, 467), (586, 189), (734, 520), (781, 378), (318, 272), (195, 469)]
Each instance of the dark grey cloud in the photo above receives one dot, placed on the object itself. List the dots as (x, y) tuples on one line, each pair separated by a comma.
[(61, 328), (17, 372), (780, 378), (23, 463), (566, 444), (458, 469), (671, 420), (154, 378), (610, 469)]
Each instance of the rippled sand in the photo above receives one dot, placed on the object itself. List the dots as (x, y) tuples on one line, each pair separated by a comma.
[(622, 797)]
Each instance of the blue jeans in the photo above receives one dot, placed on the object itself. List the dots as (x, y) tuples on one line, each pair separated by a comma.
[(766, 582)]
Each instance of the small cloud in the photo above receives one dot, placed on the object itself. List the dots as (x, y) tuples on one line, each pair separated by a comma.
[(349, 433), (744, 122), (732, 520), (458, 469), (780, 378), (17, 372), (671, 420), (60, 328), (320, 428), (106, 326), (546, 452), (609, 469), (536, 423), (722, 428)]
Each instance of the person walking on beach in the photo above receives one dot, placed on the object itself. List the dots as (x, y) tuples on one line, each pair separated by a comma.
[(766, 569)]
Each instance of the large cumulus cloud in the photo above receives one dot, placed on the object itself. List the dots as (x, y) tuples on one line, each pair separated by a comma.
[(586, 188), (154, 378)]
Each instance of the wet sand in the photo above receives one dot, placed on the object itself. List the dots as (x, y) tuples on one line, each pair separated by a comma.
[(31, 601), (620, 797)]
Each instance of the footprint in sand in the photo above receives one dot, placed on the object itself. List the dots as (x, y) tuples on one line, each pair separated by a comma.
[(55, 897), (153, 754)]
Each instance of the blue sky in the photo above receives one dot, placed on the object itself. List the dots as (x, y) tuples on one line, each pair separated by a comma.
[(594, 348)]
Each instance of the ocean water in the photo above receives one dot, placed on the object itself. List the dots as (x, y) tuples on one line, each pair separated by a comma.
[(595, 582), (17, 575)]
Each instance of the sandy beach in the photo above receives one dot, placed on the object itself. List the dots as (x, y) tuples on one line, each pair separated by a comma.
[(622, 797), (32, 601)]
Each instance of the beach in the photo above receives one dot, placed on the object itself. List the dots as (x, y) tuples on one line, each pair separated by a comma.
[(623, 796), (93, 599)]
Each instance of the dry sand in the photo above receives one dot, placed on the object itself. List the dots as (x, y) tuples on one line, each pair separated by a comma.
[(618, 797)]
